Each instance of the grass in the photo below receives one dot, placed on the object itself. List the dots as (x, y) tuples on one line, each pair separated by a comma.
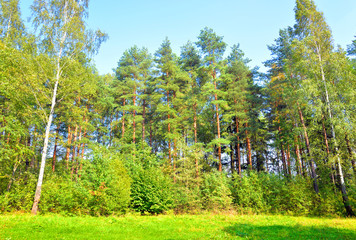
[(207, 226)]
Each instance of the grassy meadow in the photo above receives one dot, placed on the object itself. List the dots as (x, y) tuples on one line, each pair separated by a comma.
[(207, 226)]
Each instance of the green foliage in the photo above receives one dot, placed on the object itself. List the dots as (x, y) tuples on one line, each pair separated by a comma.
[(150, 137), (248, 192), (188, 180), (188, 199), (297, 195), (61, 195), (151, 190), (20, 197), (103, 188), (268, 193), (215, 191), (108, 182)]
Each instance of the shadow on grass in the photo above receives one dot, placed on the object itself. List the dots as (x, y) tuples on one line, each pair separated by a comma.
[(250, 231)]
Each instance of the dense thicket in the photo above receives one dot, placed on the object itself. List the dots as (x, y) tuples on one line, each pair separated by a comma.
[(165, 132)]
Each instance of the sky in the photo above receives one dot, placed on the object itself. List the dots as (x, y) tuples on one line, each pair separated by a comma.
[(253, 24)]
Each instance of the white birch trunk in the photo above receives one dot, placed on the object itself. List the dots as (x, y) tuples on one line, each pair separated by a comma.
[(44, 152), (50, 118), (342, 181)]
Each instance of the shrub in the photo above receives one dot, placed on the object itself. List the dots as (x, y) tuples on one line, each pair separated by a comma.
[(289, 196), (215, 191), (20, 197), (151, 190), (61, 195), (108, 183), (248, 192), (187, 198), (102, 189)]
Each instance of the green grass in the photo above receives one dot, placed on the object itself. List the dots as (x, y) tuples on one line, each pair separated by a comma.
[(206, 226)]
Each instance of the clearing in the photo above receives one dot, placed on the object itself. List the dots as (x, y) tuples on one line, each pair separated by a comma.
[(206, 226)]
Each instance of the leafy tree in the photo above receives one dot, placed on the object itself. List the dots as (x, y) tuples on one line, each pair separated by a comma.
[(12, 29), (315, 50), (63, 37)]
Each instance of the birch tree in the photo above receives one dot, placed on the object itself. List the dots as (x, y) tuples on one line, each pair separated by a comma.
[(63, 36), (12, 28), (317, 60)]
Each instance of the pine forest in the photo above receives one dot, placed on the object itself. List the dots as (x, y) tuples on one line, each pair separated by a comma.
[(174, 132)]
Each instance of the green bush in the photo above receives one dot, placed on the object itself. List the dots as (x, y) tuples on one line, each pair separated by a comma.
[(289, 196), (62, 195), (269, 193), (102, 189), (20, 197), (248, 192), (151, 190), (215, 191), (187, 198), (108, 183)]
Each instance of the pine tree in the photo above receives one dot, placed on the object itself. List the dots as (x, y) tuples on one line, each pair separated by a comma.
[(237, 76), (166, 87), (133, 70), (213, 48), (190, 62)]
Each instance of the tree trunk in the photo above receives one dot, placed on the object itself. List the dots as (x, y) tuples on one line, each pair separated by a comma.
[(55, 149), (174, 160), (83, 147), (277, 160), (284, 160), (169, 128), (302, 154), (232, 161), (17, 163), (282, 151), (237, 146), (45, 146), (134, 117), (350, 153), (296, 147), (143, 120), (311, 161), (123, 119), (341, 175), (110, 130), (78, 149), (248, 143), (151, 135), (74, 150), (29, 147), (328, 152), (217, 124), (50, 117), (195, 138), (69, 142), (288, 161), (34, 140)]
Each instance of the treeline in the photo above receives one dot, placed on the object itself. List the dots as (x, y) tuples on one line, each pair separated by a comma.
[(174, 132)]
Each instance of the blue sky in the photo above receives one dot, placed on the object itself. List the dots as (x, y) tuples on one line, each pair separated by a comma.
[(254, 24)]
